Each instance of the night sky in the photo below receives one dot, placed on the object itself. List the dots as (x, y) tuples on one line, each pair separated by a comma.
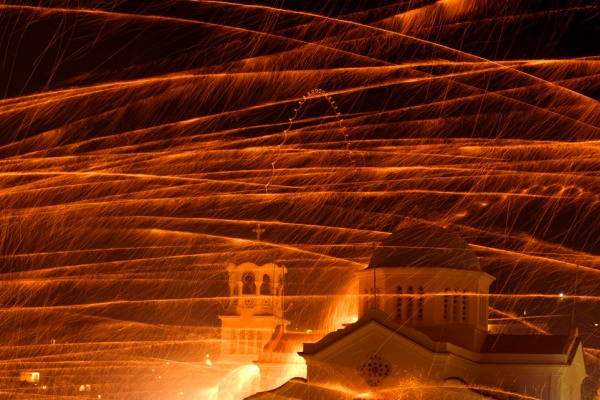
[(141, 142)]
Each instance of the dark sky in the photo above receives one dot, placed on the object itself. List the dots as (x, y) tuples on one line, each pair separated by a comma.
[(46, 48)]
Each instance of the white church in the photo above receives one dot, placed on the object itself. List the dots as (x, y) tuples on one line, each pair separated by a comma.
[(422, 332)]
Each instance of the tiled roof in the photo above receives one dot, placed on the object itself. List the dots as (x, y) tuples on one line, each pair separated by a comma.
[(527, 344)]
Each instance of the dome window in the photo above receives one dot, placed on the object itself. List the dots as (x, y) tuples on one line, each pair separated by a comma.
[(446, 305), (409, 306), (399, 304)]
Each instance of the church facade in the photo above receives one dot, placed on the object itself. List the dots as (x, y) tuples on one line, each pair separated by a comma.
[(422, 332), (254, 309), (252, 314)]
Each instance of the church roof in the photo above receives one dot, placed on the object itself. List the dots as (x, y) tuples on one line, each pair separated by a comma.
[(376, 315), (424, 245), (256, 254), (289, 341), (530, 344)]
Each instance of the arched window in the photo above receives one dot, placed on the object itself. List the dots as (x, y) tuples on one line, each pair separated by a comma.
[(409, 305), (420, 307), (265, 288), (455, 312), (446, 305), (399, 304), (249, 285)]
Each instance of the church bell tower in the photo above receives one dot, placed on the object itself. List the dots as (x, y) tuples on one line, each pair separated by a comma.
[(254, 309)]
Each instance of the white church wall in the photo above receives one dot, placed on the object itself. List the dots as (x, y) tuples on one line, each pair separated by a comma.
[(417, 296), (412, 365), (341, 361)]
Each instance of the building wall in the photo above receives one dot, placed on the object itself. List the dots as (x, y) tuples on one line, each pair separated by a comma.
[(413, 366), (573, 378), (448, 305), (448, 296), (246, 334), (254, 308)]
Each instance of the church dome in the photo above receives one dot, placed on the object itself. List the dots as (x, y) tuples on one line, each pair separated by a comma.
[(423, 245)]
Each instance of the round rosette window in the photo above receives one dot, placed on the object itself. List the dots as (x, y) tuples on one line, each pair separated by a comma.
[(374, 369)]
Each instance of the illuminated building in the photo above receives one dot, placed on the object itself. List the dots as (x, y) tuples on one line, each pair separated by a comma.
[(254, 310), (422, 331), (29, 376), (279, 360)]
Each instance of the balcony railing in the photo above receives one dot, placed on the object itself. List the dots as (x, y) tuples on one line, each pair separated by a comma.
[(258, 301)]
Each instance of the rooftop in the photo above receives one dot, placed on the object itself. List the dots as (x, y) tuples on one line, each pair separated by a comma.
[(424, 245)]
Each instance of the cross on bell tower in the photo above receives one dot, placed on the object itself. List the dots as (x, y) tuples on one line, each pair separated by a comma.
[(258, 231)]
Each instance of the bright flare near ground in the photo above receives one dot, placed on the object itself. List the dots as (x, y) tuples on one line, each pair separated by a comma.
[(141, 145)]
